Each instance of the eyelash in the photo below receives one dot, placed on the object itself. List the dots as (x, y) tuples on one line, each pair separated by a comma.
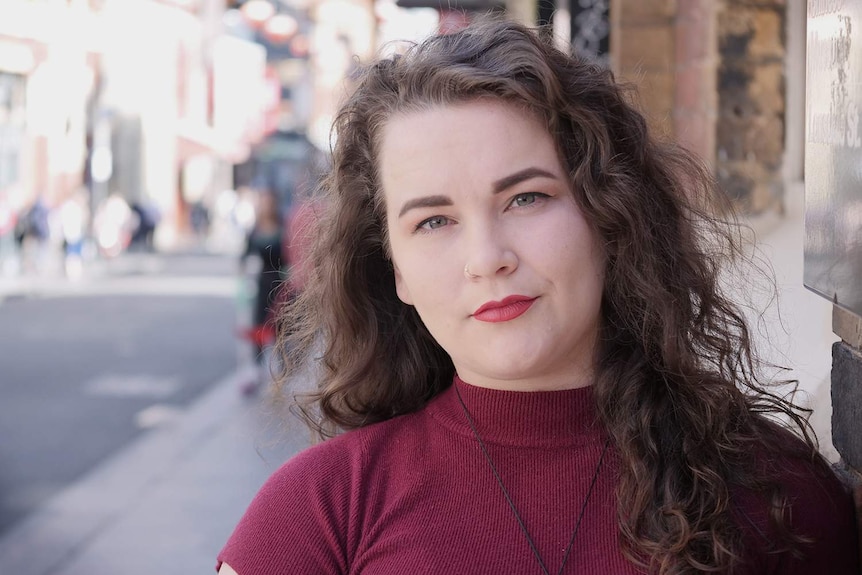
[(535, 196), (420, 227)]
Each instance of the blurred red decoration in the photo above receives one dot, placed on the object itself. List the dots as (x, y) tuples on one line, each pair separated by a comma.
[(300, 46)]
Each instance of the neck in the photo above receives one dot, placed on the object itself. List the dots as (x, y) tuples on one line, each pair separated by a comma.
[(579, 380), (538, 419)]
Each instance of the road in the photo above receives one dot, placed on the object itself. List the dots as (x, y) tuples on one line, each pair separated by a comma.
[(86, 367)]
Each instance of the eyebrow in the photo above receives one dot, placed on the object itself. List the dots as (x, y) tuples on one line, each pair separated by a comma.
[(497, 187), (425, 202), (507, 182)]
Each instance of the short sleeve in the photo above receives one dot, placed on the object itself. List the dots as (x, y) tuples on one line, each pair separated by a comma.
[(299, 521)]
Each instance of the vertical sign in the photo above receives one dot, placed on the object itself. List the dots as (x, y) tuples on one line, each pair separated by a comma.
[(833, 152)]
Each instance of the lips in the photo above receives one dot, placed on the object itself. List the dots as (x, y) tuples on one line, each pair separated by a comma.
[(505, 310)]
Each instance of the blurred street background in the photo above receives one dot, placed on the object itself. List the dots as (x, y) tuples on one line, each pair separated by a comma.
[(153, 155), (86, 370)]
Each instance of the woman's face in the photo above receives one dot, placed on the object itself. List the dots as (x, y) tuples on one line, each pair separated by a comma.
[(479, 188)]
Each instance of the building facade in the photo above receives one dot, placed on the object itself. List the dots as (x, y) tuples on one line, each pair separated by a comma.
[(147, 100)]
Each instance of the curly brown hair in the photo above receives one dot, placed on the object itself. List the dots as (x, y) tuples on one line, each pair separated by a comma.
[(676, 383)]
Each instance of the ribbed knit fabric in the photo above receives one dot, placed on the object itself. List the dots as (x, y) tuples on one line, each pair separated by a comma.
[(415, 495)]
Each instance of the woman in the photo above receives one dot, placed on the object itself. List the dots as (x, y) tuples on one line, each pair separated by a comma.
[(263, 242), (500, 218)]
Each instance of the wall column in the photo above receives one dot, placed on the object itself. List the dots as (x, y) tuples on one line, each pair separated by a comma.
[(643, 52)]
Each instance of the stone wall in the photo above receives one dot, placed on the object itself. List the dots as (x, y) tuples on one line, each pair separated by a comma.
[(847, 401), (749, 145)]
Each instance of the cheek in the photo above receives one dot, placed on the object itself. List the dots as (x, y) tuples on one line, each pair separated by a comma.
[(577, 259), (401, 287), (423, 283), (398, 261)]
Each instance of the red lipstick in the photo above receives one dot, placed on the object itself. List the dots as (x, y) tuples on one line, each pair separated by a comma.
[(506, 310)]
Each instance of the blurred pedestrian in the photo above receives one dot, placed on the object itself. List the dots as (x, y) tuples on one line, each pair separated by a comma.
[(33, 234), (264, 245), (114, 224), (199, 217), (146, 219), (8, 222), (515, 307), (74, 218)]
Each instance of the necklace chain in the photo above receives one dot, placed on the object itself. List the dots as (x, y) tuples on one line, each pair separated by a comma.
[(512, 504)]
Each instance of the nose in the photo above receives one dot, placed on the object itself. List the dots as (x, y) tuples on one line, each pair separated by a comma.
[(489, 253)]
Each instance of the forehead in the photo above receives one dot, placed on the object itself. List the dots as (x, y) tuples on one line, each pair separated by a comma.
[(471, 141), (485, 112)]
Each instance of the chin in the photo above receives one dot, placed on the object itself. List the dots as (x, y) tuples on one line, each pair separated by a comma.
[(515, 375)]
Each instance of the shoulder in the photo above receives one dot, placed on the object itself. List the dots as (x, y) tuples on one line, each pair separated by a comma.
[(325, 477), (325, 467), (821, 510), (817, 501), (817, 508), (305, 518)]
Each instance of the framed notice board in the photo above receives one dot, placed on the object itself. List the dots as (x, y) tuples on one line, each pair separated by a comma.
[(833, 152)]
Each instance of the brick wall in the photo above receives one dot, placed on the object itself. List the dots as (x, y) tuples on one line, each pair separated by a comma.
[(643, 52), (696, 98), (711, 75)]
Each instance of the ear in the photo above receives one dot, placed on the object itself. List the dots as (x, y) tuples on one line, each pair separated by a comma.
[(401, 286)]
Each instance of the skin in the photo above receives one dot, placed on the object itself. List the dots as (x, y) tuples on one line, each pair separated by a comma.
[(484, 187)]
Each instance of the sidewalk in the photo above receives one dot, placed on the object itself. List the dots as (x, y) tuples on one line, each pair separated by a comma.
[(167, 503), (121, 273)]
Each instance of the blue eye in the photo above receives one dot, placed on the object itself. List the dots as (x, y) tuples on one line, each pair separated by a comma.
[(433, 223), (526, 199)]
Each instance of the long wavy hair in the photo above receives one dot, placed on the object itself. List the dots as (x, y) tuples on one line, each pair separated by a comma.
[(676, 384)]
